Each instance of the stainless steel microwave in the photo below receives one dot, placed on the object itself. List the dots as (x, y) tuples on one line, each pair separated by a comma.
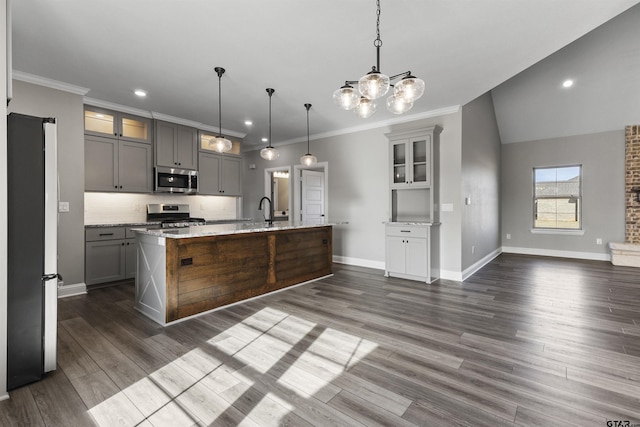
[(172, 180)]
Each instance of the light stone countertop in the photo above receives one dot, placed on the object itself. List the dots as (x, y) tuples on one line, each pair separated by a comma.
[(155, 223), (225, 229)]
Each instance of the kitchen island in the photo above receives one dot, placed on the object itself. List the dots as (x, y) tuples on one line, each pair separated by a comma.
[(186, 271)]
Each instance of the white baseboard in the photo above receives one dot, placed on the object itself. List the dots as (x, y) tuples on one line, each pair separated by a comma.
[(456, 276), (71, 290), (471, 270), (4, 396), (557, 253), (358, 262)]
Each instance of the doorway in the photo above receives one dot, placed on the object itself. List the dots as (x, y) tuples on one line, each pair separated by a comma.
[(277, 187), (310, 193)]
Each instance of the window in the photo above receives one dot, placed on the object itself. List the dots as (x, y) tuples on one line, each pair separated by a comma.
[(557, 197)]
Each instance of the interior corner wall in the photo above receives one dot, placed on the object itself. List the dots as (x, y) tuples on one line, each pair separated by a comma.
[(67, 108), (602, 156), (358, 165), (481, 149)]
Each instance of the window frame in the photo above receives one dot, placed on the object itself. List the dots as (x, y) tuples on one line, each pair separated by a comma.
[(534, 199)]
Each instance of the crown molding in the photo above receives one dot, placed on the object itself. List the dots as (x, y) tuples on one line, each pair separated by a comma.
[(113, 106), (50, 83), (201, 126), (369, 126)]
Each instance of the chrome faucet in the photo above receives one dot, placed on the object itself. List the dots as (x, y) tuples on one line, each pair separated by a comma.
[(270, 220)]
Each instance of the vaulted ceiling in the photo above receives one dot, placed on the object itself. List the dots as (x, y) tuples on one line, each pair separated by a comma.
[(303, 49)]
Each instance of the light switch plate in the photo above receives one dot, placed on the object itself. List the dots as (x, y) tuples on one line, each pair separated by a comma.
[(63, 206)]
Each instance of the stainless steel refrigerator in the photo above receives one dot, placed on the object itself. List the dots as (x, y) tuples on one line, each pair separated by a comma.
[(32, 180)]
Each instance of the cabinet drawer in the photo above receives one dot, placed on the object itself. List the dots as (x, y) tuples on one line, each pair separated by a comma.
[(104, 233), (407, 231)]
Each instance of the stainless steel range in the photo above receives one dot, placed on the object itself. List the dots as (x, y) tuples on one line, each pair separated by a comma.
[(172, 216)]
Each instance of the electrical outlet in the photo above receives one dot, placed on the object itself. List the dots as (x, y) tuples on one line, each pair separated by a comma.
[(508, 236), (598, 241)]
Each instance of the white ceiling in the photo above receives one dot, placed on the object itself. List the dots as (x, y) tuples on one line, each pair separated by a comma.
[(303, 49)]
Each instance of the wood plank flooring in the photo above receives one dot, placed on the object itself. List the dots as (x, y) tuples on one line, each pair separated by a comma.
[(530, 341)]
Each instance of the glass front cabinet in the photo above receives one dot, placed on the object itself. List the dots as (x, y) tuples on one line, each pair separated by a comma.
[(411, 162), (115, 124)]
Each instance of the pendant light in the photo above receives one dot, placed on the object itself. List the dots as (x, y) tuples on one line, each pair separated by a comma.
[(375, 85), (220, 143), (269, 153), (308, 159)]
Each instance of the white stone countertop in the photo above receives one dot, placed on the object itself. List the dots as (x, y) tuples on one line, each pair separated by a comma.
[(428, 223), (154, 223), (223, 229)]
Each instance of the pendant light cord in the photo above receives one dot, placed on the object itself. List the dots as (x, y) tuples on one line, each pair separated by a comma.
[(270, 92), (220, 72), (378, 41), (308, 106)]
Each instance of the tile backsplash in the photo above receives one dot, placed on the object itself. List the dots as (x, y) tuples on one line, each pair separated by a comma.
[(116, 208)]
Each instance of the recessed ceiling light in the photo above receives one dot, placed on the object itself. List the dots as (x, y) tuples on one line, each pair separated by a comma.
[(141, 93), (248, 122), (567, 83), (265, 139)]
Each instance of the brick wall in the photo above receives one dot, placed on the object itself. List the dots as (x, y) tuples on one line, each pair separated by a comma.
[(632, 182)]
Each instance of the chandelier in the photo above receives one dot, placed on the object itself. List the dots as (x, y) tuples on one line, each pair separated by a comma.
[(269, 153), (308, 159), (220, 143), (375, 85)]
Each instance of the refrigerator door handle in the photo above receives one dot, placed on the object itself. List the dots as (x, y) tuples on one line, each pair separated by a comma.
[(51, 277)]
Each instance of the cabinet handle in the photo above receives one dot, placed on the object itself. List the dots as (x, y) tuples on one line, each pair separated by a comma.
[(115, 186), (115, 134), (405, 231), (121, 186), (120, 134), (122, 244), (106, 234), (128, 243)]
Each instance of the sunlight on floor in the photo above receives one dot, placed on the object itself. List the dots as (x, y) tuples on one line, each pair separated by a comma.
[(262, 366)]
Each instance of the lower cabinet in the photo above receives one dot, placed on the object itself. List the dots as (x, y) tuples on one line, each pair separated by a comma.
[(110, 254), (411, 252)]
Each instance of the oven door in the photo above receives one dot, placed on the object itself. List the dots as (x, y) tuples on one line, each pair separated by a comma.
[(170, 180)]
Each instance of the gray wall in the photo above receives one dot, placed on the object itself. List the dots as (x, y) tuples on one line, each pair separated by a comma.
[(480, 181), (67, 108), (602, 158), (358, 188)]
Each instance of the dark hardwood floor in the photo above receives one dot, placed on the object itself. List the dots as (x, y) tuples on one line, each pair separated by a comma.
[(525, 341)]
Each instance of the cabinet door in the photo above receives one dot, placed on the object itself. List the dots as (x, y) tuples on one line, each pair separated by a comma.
[(104, 261), (187, 147), (416, 257), (399, 164), (209, 174), (395, 254), (420, 149), (231, 176), (134, 128), (165, 139), (131, 258), (136, 168), (100, 164), (100, 122)]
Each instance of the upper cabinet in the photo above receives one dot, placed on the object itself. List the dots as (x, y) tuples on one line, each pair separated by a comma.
[(206, 144), (176, 145), (411, 161), (115, 124)]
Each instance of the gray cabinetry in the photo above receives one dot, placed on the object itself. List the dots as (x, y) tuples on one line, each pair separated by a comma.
[(412, 234), (110, 254), (176, 145), (117, 165), (115, 124), (104, 255), (219, 174)]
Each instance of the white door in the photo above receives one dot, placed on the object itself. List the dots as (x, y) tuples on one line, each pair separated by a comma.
[(312, 196)]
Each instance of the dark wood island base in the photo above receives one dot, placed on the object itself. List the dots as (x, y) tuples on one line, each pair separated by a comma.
[(207, 272)]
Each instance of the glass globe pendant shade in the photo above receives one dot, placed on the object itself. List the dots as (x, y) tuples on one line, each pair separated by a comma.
[(269, 153), (346, 97), (409, 88), (397, 105), (220, 144), (308, 160), (373, 85), (366, 108)]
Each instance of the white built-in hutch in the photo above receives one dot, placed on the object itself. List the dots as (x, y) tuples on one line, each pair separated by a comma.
[(413, 230)]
